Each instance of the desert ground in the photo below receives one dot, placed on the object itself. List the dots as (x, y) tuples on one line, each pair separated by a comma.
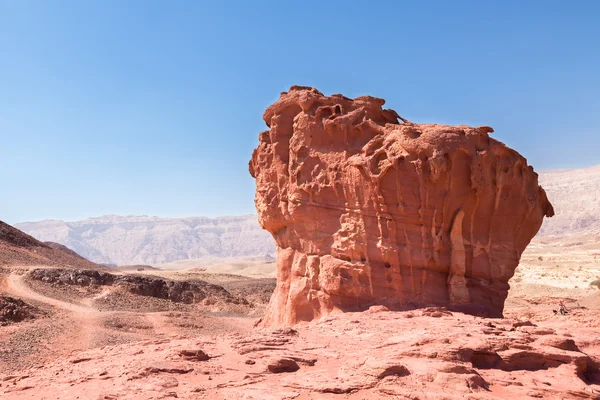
[(73, 329), (105, 342)]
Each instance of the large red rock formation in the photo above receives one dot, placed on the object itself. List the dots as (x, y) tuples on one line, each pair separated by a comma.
[(368, 210)]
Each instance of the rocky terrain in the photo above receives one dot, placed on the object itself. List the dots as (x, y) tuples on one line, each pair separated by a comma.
[(18, 248), (14, 310), (151, 240), (366, 210), (53, 311), (53, 302), (423, 354), (188, 292), (84, 336)]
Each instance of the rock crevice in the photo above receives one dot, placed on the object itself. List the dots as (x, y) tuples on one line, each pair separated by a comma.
[(368, 208)]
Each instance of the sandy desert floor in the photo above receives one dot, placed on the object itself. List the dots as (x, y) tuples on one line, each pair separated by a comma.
[(239, 266)]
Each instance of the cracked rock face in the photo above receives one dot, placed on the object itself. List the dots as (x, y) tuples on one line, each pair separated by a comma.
[(366, 209)]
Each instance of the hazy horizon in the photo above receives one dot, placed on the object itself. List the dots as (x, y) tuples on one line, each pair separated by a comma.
[(154, 108), (132, 216)]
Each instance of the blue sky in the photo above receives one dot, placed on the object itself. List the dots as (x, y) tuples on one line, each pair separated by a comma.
[(154, 107)]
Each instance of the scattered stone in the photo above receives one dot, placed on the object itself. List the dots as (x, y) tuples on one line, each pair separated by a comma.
[(170, 369), (287, 331), (194, 355), (279, 365), (436, 312), (14, 310), (187, 292)]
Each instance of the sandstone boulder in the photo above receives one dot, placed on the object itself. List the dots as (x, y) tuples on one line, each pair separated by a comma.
[(367, 208)]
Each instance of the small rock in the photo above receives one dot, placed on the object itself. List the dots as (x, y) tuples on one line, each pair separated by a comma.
[(377, 309), (82, 359), (194, 355), (168, 369), (279, 365), (286, 331)]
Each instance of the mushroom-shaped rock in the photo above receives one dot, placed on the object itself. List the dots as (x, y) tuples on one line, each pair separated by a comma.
[(367, 209)]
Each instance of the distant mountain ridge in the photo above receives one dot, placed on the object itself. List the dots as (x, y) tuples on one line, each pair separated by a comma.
[(575, 196), (127, 240)]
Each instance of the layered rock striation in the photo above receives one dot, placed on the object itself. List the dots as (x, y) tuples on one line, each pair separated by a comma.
[(368, 208)]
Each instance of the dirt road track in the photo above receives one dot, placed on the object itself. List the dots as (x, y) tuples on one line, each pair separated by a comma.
[(16, 287)]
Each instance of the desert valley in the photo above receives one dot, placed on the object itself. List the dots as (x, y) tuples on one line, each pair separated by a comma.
[(397, 261)]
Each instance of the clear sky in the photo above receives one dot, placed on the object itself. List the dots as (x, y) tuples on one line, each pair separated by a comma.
[(154, 107)]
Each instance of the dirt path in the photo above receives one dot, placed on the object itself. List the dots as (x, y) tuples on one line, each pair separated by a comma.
[(16, 287), (70, 327), (85, 327), (89, 302), (87, 322)]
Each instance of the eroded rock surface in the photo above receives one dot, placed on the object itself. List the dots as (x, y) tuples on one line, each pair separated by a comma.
[(369, 355), (368, 210)]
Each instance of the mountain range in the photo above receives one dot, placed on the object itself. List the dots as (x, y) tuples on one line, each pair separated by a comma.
[(125, 240), (575, 195)]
